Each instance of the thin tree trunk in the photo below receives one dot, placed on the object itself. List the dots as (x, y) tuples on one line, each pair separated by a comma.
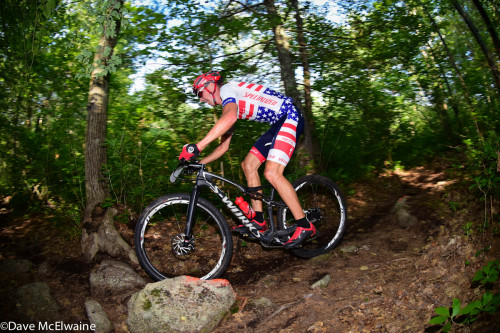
[(481, 43), (287, 69), (98, 233), (455, 67), (450, 56), (489, 25), (304, 57)]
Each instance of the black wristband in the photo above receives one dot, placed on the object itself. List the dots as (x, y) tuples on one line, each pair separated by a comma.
[(193, 149)]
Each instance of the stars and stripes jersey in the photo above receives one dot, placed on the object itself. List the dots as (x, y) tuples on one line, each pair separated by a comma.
[(257, 102)]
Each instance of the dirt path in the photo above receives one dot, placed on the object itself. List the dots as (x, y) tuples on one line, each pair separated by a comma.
[(385, 276)]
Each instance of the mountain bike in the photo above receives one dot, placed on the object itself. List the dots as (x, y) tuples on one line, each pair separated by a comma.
[(185, 234)]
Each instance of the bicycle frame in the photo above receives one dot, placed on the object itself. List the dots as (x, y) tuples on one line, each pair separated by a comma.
[(205, 178)]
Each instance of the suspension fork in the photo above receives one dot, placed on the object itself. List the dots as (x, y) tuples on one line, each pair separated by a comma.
[(193, 201)]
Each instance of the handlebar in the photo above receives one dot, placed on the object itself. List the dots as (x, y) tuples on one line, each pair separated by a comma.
[(185, 167)]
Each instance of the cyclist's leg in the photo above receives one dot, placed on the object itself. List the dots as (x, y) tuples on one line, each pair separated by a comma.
[(258, 155), (274, 174), (250, 166), (280, 152), (279, 155)]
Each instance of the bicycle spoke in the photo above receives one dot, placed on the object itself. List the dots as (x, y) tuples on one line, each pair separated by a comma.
[(164, 251), (179, 228), (324, 205)]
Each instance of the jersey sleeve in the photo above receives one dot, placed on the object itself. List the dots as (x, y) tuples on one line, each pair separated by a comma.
[(228, 95)]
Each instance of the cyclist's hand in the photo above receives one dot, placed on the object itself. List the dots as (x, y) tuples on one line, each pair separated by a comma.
[(188, 152)]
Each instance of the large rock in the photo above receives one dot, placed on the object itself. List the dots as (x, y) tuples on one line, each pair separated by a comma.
[(12, 268), (323, 283), (402, 215), (181, 304), (112, 277), (35, 303), (98, 316)]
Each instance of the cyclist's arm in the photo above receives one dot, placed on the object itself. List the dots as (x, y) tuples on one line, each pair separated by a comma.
[(225, 122), (221, 149)]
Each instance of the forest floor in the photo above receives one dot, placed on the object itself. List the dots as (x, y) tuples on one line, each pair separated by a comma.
[(384, 277)]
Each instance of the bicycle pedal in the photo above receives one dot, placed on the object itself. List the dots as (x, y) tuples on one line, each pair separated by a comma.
[(316, 235), (248, 236), (244, 233)]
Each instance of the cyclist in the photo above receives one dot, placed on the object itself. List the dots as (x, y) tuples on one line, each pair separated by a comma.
[(241, 100)]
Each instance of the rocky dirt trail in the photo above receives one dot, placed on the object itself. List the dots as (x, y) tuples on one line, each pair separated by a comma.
[(388, 274), (392, 269)]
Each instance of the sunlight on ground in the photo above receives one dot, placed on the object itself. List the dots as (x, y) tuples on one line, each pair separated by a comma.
[(417, 178)]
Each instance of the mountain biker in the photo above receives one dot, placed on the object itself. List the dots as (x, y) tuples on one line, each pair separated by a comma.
[(241, 100)]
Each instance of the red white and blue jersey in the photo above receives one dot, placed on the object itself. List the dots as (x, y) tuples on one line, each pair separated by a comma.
[(257, 102)]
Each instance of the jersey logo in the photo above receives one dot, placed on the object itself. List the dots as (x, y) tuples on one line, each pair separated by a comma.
[(260, 99)]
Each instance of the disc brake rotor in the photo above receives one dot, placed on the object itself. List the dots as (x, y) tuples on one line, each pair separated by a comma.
[(182, 246), (314, 215)]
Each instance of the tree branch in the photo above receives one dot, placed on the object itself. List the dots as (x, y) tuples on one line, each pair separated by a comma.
[(241, 10)]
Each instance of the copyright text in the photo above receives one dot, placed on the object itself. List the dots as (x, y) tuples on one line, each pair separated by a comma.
[(46, 326)]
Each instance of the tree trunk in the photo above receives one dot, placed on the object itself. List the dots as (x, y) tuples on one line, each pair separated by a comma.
[(482, 44), (304, 58), (96, 189), (453, 64), (287, 69), (489, 25)]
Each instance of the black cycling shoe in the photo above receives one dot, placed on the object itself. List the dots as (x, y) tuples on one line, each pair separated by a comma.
[(300, 236)]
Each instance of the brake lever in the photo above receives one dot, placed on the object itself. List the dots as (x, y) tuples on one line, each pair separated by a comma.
[(178, 171), (182, 167)]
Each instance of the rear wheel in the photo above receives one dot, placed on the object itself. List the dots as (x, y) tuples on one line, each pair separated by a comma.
[(325, 207), (160, 241)]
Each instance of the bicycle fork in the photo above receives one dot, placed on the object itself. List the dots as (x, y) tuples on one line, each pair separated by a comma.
[(193, 201)]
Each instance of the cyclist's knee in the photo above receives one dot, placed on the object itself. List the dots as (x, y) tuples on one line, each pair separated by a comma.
[(246, 166), (272, 175), (250, 164)]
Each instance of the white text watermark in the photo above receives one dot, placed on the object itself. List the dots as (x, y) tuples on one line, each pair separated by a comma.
[(46, 326)]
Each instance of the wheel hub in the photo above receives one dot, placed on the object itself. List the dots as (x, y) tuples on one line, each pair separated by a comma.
[(182, 245), (313, 215)]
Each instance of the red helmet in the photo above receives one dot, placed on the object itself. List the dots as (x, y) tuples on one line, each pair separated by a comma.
[(204, 79)]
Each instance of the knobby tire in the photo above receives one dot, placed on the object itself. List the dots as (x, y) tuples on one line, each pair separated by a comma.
[(164, 220), (318, 194)]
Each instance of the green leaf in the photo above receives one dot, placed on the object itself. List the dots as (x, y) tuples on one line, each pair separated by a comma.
[(447, 327), (490, 309), (478, 276), (443, 311), (438, 320), (487, 298), (107, 51), (466, 310), (456, 307)]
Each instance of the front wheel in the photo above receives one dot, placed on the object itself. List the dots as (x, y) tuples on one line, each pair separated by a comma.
[(325, 207), (161, 244)]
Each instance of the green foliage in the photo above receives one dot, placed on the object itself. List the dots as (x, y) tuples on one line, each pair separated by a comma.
[(105, 16), (387, 91), (483, 157), (467, 314), (488, 274), (468, 228), (458, 315)]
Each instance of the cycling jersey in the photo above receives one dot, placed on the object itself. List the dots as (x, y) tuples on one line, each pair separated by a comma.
[(259, 103)]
